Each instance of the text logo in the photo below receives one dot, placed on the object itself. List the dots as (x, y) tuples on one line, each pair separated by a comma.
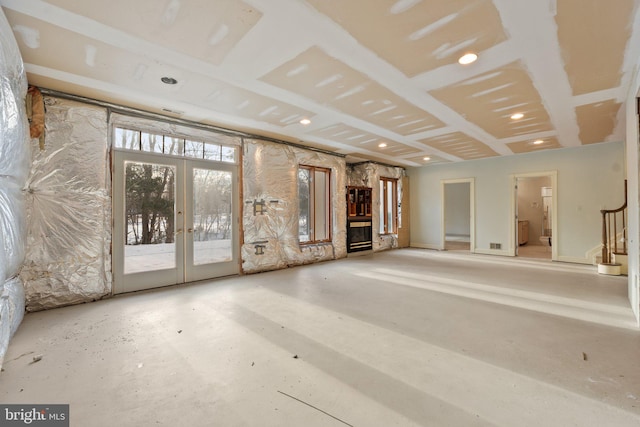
[(34, 415)]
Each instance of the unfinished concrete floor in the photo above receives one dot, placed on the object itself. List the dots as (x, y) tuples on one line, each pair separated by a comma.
[(401, 338)]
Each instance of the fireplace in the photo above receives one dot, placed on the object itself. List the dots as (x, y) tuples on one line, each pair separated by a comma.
[(359, 236)]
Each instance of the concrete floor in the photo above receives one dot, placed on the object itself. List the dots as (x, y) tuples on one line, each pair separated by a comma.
[(401, 338)]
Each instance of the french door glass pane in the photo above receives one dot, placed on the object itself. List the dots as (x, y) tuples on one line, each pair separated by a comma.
[(212, 216), (193, 149), (382, 209), (390, 205), (151, 143), (125, 138), (173, 146), (150, 217), (304, 195), (228, 154), (321, 202)]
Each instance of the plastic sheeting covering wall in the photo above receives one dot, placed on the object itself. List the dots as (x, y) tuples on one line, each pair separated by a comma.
[(368, 175), (14, 168), (271, 237), (69, 209)]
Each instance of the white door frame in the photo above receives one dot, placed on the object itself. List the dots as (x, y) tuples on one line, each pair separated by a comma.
[(200, 272), (472, 211), (513, 229), (183, 272)]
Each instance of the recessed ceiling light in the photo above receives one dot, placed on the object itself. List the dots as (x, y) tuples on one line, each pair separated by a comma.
[(382, 144), (467, 58), (168, 80), (517, 116), (305, 122), (538, 142), (426, 159)]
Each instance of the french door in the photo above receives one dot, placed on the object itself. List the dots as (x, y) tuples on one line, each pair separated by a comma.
[(175, 220)]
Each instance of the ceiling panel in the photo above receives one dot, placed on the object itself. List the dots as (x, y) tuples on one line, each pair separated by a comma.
[(597, 121), (109, 64), (349, 135), (490, 99), (534, 145), (428, 160), (460, 145), (593, 36), (364, 71), (328, 81), (418, 36), (205, 29)]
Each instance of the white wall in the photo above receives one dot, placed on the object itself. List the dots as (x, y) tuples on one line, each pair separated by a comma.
[(590, 178), (633, 191), (457, 208)]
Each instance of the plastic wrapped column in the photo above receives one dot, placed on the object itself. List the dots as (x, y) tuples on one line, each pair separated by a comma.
[(68, 204), (271, 236), (14, 168)]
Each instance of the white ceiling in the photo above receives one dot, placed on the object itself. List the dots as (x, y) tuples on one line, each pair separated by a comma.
[(365, 72)]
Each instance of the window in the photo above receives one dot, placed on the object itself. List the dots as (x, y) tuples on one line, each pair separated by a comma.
[(174, 146), (314, 195), (388, 206)]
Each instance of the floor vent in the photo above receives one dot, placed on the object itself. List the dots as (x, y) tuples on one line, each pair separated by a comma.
[(495, 245)]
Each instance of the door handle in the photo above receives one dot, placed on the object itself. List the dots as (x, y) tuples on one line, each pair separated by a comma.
[(190, 230), (178, 231)]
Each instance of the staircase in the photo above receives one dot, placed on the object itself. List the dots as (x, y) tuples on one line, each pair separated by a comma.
[(614, 239)]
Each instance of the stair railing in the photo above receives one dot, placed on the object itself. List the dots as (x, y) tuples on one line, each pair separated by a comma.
[(614, 230)]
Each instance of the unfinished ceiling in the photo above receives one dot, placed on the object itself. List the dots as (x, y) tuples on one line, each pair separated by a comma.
[(378, 79)]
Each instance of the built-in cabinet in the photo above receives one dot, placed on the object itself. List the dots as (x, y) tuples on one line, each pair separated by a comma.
[(358, 202), (523, 232), (359, 231)]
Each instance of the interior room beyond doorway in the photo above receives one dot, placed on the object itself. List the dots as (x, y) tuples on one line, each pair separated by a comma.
[(534, 217)]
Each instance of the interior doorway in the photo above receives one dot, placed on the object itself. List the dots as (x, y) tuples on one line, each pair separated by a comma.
[(175, 220), (535, 218), (458, 206)]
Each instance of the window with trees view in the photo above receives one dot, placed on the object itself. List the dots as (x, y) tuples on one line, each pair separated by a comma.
[(388, 206), (154, 186), (314, 195), (174, 146)]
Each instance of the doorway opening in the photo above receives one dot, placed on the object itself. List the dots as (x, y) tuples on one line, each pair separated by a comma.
[(458, 207), (535, 217)]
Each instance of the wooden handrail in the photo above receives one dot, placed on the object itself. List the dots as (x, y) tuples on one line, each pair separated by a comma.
[(610, 230)]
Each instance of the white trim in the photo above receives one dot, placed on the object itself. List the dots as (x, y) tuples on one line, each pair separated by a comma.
[(419, 245), (574, 260), (494, 252)]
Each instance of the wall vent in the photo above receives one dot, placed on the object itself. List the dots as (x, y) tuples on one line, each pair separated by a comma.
[(495, 245)]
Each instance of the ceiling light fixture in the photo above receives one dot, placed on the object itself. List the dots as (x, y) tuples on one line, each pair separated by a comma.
[(426, 159), (305, 122), (168, 80), (538, 142), (468, 58), (382, 145), (517, 116)]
